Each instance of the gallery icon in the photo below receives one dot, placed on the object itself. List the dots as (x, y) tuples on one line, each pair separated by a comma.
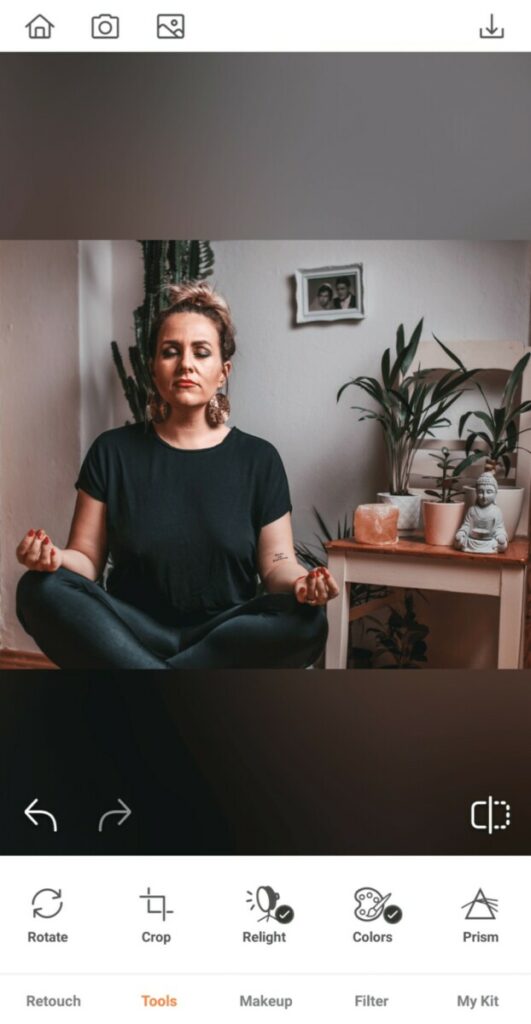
[(266, 901), (156, 904), (39, 27), (105, 26), (481, 908), (170, 26), (490, 815)]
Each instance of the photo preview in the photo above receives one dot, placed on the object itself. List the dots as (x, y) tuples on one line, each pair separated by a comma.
[(265, 610)]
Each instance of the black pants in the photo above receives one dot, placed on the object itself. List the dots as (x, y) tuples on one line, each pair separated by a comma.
[(78, 625)]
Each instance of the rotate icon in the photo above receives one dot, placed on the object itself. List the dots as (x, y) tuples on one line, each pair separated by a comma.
[(47, 903)]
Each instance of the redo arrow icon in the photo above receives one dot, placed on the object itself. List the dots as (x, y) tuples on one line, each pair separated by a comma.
[(123, 813)]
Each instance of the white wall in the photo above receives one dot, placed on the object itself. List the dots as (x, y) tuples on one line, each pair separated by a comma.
[(98, 385), (286, 377), (39, 404)]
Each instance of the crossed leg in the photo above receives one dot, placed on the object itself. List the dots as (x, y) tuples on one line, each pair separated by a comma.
[(78, 625)]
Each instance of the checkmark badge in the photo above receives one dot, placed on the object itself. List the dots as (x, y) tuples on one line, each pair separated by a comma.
[(285, 914), (392, 914)]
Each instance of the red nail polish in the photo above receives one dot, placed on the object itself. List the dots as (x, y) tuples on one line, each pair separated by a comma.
[(52, 552), (31, 533), (46, 540)]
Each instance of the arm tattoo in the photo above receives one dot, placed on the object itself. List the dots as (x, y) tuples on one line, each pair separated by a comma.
[(279, 556)]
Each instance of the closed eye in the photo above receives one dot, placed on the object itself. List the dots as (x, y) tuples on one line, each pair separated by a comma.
[(173, 350)]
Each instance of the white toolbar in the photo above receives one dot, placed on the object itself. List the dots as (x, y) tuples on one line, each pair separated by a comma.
[(301, 938), (279, 26)]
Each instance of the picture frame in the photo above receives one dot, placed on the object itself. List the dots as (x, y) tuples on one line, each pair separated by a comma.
[(330, 293)]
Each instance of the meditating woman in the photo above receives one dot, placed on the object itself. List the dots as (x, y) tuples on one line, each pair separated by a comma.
[(190, 512)]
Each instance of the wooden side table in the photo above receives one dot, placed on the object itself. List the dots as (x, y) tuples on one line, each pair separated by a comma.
[(413, 564)]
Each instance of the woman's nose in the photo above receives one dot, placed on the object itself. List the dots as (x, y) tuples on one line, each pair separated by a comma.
[(187, 360)]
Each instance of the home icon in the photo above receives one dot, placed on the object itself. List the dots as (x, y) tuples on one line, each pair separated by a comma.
[(39, 27)]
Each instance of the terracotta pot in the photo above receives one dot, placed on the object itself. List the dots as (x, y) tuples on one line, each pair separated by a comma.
[(509, 500), (442, 521), (408, 508)]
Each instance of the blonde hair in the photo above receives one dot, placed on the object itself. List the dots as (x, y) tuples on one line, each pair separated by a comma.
[(198, 297)]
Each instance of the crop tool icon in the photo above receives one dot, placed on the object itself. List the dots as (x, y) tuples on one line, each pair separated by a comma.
[(156, 904)]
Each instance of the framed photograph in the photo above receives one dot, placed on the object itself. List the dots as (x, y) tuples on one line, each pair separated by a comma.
[(330, 293)]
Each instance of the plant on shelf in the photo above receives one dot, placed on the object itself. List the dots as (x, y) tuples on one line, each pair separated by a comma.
[(165, 263), (401, 640), (409, 406), (444, 514), (447, 485), (501, 430)]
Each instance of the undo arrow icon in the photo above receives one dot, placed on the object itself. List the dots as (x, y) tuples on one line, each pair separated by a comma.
[(31, 814)]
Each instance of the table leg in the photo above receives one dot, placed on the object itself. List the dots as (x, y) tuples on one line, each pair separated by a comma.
[(338, 615), (511, 620)]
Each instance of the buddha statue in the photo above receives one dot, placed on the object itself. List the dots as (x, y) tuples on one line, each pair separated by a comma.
[(483, 529)]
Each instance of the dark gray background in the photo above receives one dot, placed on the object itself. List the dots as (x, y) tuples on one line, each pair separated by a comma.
[(265, 146)]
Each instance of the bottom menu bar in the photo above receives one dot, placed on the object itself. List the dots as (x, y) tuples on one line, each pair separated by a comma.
[(205, 938)]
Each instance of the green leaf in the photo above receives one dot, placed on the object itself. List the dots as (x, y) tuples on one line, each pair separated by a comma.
[(451, 355), (372, 387), (514, 380), (463, 420), (402, 400), (506, 459), (488, 421), (454, 384), (523, 407), (512, 435), (469, 461), (499, 420), (411, 348), (386, 367), (343, 388)]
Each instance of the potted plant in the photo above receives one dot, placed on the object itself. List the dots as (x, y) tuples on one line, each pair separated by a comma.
[(165, 263), (443, 516), (496, 440), (400, 642), (410, 407)]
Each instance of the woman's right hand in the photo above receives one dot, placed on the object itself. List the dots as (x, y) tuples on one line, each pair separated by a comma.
[(36, 551)]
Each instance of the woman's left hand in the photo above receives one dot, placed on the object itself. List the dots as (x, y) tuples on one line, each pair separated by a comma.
[(317, 587)]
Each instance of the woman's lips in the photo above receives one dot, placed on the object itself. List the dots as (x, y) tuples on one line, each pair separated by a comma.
[(185, 384)]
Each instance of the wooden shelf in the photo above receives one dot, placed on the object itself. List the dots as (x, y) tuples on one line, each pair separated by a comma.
[(414, 545)]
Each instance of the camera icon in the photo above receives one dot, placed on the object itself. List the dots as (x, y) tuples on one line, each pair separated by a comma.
[(105, 26)]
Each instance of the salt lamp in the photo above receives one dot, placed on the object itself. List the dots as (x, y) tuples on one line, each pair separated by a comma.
[(376, 524)]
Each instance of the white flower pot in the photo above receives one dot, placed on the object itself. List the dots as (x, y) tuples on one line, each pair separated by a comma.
[(509, 499), (408, 508), (442, 521)]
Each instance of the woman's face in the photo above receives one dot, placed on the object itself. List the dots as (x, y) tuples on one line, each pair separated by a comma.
[(188, 369)]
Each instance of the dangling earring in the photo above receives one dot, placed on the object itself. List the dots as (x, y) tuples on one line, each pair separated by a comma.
[(217, 410), (157, 410)]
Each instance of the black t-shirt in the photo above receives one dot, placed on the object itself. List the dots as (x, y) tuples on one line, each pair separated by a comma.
[(183, 524)]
